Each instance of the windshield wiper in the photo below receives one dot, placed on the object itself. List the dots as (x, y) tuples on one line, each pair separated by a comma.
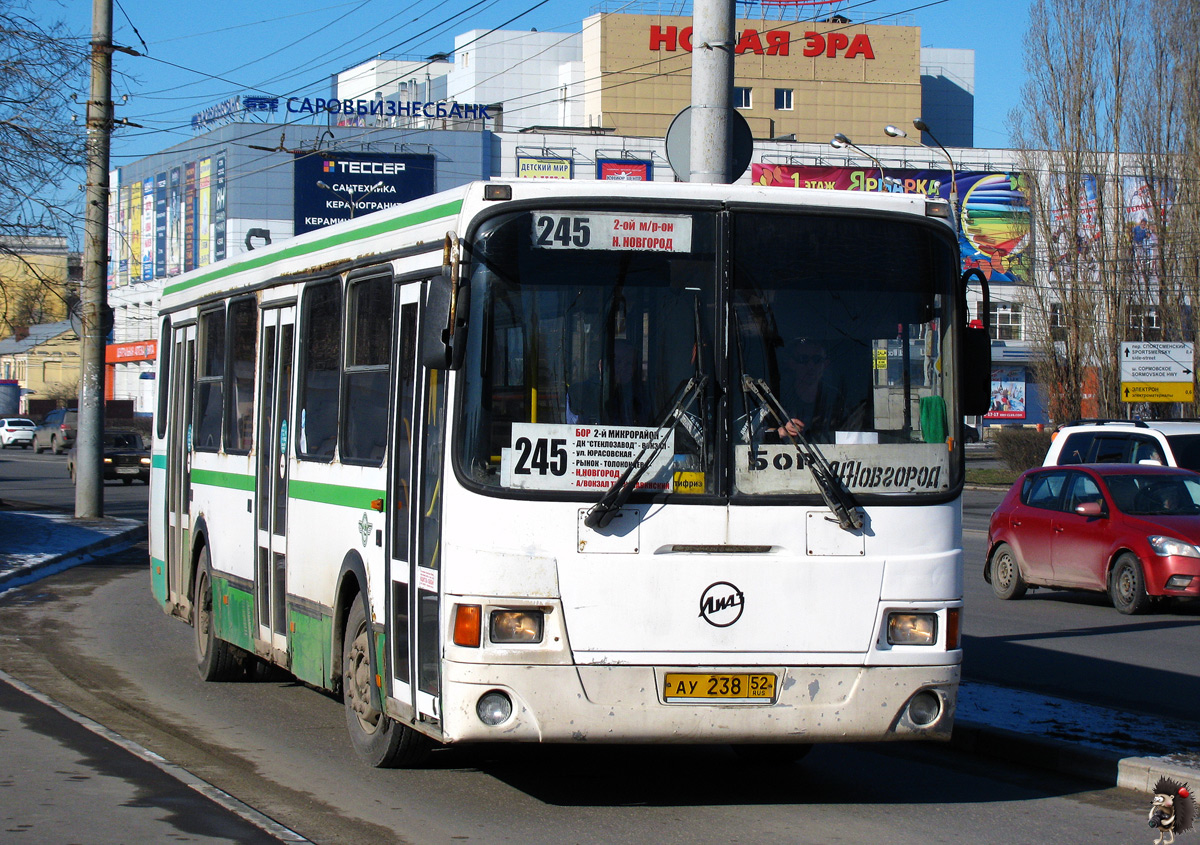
[(837, 496), (601, 514)]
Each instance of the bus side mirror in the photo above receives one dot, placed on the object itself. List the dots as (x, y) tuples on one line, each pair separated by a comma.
[(977, 356), (443, 335)]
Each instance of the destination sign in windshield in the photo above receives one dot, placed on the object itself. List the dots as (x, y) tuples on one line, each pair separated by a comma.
[(612, 231)]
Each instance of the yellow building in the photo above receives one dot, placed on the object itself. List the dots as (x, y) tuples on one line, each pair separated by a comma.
[(803, 79), (34, 282), (44, 360)]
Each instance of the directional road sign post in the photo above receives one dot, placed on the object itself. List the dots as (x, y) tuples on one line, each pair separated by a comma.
[(1157, 372)]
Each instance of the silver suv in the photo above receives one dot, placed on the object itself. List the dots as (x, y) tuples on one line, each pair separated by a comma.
[(56, 431), (1174, 443)]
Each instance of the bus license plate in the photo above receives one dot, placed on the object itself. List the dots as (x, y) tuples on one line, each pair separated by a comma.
[(680, 686)]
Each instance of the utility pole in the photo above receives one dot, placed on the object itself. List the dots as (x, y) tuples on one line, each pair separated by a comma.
[(89, 447), (712, 91)]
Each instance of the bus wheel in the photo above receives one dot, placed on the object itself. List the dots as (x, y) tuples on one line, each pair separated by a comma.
[(773, 754), (380, 740), (216, 660)]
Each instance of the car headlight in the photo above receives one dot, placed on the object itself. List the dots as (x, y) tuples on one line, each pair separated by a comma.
[(108, 460), (145, 462), (1164, 546)]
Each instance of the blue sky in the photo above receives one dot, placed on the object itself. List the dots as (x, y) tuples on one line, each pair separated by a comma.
[(204, 51)]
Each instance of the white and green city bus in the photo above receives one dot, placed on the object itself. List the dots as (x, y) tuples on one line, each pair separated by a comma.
[(532, 461)]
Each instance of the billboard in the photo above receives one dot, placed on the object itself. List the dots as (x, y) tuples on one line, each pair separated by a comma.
[(529, 167), (624, 170), (332, 188), (993, 208), (1008, 394)]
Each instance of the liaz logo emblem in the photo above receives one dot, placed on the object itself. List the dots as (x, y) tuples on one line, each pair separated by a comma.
[(721, 604)]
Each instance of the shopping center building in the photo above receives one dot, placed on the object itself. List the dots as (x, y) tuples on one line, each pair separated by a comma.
[(591, 104)]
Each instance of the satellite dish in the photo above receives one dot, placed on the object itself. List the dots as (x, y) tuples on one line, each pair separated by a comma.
[(679, 144)]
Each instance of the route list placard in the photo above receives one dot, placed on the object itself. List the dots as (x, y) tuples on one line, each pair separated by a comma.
[(581, 457)]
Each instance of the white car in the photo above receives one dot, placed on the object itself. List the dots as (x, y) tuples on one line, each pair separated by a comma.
[(1173, 443), (16, 431)]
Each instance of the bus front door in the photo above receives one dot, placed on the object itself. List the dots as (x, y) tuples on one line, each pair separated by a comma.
[(179, 464), (271, 477), (413, 593)]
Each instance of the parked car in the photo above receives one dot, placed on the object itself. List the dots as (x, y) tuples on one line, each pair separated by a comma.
[(1167, 442), (125, 456), (1130, 530), (16, 431), (970, 433), (56, 431)]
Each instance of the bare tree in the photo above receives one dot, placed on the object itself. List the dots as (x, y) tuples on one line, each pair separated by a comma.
[(41, 150), (1107, 139)]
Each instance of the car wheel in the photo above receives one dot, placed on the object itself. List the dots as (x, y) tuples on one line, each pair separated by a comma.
[(1007, 582), (379, 739), (1127, 586), (54, 446)]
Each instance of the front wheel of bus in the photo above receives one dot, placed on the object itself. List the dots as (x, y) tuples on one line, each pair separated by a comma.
[(216, 660), (380, 740)]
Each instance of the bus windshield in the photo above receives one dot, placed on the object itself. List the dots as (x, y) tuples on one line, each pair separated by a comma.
[(604, 341)]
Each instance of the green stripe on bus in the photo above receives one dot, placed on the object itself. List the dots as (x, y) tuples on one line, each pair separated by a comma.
[(415, 219), (158, 461), (158, 579), (231, 480), (333, 494)]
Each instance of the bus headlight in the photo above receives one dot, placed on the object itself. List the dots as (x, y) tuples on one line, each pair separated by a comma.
[(912, 629), (516, 626)]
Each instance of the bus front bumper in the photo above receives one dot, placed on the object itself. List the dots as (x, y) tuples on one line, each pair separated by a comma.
[(563, 704)]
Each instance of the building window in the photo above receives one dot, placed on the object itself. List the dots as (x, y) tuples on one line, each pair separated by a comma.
[(1058, 323), (1144, 323), (783, 99), (741, 98), (1005, 321)]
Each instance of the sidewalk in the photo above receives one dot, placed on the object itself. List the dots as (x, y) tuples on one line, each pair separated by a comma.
[(1107, 746), (35, 543)]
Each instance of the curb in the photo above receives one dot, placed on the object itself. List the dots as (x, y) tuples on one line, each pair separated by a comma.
[(29, 572), (1067, 758)]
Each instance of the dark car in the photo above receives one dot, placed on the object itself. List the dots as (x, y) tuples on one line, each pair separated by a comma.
[(56, 431), (1129, 530), (125, 457)]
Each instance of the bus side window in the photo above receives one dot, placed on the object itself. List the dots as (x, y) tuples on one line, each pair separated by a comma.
[(368, 372), (243, 328), (210, 382), (321, 350)]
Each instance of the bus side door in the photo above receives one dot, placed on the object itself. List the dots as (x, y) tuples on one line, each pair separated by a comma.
[(179, 464)]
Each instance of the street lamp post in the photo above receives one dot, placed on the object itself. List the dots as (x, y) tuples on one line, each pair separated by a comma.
[(350, 195), (840, 141), (922, 126)]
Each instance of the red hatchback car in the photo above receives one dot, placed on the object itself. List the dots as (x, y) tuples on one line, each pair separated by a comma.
[(1132, 531)]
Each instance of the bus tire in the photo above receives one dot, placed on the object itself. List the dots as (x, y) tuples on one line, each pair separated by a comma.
[(216, 660), (1007, 581), (773, 754), (379, 739)]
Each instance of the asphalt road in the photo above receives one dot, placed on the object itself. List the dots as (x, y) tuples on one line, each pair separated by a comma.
[(93, 639)]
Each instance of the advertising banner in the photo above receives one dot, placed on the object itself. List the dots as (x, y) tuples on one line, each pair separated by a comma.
[(189, 216), (219, 219), (204, 213), (333, 188), (624, 170), (135, 232), (1008, 394), (993, 208), (124, 238), (529, 167), (160, 226), (147, 230), (114, 222), (175, 222)]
